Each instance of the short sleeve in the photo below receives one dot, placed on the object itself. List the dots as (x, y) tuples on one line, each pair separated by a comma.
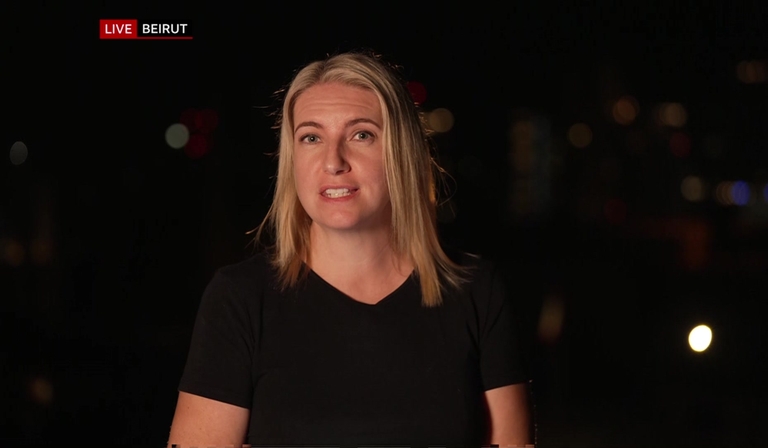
[(501, 360), (220, 355)]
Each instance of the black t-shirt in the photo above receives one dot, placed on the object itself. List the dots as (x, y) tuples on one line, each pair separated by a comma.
[(316, 367)]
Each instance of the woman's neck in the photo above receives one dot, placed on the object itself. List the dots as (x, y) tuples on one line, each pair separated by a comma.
[(359, 263)]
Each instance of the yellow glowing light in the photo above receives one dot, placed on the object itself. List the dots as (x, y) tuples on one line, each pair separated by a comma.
[(625, 110), (440, 120), (673, 114), (551, 320), (699, 338), (692, 188), (580, 135), (177, 135)]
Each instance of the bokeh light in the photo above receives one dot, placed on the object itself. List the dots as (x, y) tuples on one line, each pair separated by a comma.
[(722, 193), (418, 92), (440, 120), (12, 252), (765, 192), (615, 211), (680, 145), (209, 120), (740, 193), (672, 114), (177, 135), (196, 147), (752, 72), (192, 119), (41, 391), (700, 338), (692, 188), (580, 135), (551, 319), (18, 153), (625, 110)]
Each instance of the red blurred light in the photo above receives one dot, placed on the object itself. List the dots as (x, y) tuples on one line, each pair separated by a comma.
[(418, 91), (196, 147), (680, 144), (209, 119), (615, 211), (192, 119)]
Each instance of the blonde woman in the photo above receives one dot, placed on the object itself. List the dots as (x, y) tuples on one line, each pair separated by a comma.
[(356, 327)]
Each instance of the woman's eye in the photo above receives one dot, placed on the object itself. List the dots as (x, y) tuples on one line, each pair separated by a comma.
[(363, 135), (310, 139)]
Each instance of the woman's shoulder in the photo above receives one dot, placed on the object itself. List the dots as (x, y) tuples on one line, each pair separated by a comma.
[(254, 271)]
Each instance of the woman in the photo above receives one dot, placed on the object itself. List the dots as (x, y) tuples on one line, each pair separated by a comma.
[(357, 328)]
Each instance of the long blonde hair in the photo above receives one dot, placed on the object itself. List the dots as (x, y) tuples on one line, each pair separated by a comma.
[(410, 172)]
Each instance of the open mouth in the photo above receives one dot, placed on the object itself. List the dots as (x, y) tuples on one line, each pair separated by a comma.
[(338, 192)]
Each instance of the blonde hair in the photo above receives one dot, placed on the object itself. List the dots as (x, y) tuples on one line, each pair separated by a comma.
[(409, 167)]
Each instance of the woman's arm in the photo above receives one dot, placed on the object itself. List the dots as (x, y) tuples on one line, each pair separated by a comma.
[(200, 422), (509, 416)]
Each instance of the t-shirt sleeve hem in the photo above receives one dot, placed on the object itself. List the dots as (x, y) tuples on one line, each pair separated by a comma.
[(495, 383), (216, 394)]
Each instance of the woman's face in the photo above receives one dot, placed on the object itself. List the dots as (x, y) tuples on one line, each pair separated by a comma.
[(338, 158)]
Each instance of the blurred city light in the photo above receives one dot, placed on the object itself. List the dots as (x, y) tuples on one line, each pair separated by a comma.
[(752, 72), (192, 119), (625, 110), (740, 193), (722, 194), (18, 153), (765, 192), (672, 114), (551, 319), (209, 120), (177, 135), (440, 120), (196, 147), (41, 251), (41, 391), (692, 188), (580, 135), (680, 145), (12, 252), (615, 211), (418, 92), (699, 338)]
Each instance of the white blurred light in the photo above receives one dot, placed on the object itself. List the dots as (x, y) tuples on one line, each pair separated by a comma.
[(177, 135), (18, 153), (699, 338), (692, 188)]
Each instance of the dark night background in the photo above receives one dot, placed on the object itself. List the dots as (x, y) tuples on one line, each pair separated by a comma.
[(108, 235)]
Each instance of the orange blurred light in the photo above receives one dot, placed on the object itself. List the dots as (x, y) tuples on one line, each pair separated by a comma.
[(625, 110)]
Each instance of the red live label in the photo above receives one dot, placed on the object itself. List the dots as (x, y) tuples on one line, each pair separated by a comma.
[(118, 28)]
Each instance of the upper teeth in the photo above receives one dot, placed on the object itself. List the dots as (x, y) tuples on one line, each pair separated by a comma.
[(336, 192)]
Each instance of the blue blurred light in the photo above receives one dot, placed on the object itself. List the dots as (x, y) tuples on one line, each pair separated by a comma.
[(740, 193)]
